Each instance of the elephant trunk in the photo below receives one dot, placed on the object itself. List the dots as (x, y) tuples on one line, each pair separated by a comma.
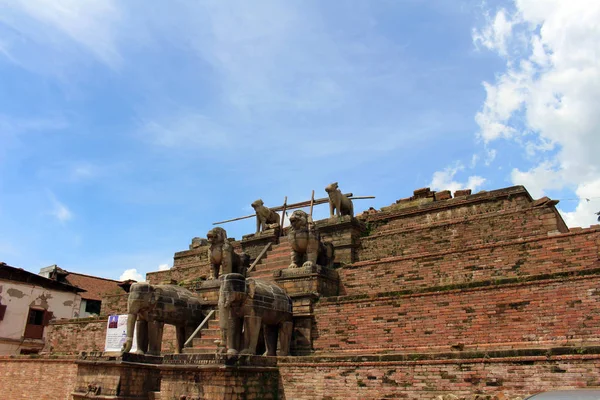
[(131, 320)]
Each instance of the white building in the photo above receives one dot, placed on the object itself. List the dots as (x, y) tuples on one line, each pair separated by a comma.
[(27, 304)]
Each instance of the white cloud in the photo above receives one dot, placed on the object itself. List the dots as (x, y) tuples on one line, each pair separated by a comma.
[(589, 204), (185, 130), (496, 33), (164, 267), (89, 24), (131, 274), (60, 211), (547, 99), (538, 180), (444, 180)]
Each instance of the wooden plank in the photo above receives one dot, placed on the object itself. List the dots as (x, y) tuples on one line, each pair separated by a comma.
[(260, 256), (293, 206)]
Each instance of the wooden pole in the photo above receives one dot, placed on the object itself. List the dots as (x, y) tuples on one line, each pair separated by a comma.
[(283, 216), (297, 205), (312, 203)]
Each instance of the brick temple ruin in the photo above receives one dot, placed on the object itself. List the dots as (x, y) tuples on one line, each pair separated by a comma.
[(438, 296)]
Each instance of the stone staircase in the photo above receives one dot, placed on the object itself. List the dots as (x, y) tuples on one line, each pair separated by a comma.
[(206, 343), (278, 257)]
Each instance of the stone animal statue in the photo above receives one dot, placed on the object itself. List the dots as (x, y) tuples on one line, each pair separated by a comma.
[(149, 307), (221, 255), (307, 248), (246, 305), (265, 217), (338, 202)]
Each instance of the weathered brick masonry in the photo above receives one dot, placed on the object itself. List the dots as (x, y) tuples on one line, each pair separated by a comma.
[(364, 378), (480, 294), (531, 314), (517, 258), (25, 377)]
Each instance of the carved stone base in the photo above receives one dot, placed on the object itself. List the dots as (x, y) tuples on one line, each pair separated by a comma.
[(344, 233), (254, 243), (205, 376), (129, 377), (315, 280), (208, 291), (305, 285)]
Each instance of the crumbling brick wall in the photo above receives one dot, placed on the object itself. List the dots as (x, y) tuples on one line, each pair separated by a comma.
[(27, 377), (390, 377), (538, 313)]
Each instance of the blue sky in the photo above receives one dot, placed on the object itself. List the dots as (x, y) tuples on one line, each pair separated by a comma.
[(127, 128)]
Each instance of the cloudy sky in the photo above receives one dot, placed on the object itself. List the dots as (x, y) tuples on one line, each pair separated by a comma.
[(128, 127)]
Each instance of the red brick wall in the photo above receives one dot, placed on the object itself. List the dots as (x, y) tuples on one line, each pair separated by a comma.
[(527, 314), (89, 334), (507, 378), (220, 383), (36, 378), (392, 240), (450, 209), (517, 258)]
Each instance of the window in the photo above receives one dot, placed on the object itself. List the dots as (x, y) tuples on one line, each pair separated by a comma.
[(36, 320), (2, 311), (93, 306)]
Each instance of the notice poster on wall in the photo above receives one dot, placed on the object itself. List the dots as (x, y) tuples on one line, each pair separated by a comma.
[(116, 334)]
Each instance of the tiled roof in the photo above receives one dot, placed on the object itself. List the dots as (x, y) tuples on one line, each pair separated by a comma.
[(94, 287), (20, 275)]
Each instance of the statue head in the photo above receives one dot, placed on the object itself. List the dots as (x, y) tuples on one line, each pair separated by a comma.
[(332, 187), (216, 235), (299, 220), (257, 204)]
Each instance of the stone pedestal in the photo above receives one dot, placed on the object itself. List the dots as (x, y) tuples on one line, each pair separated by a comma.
[(208, 291), (305, 286), (129, 377), (216, 377), (253, 244), (344, 233)]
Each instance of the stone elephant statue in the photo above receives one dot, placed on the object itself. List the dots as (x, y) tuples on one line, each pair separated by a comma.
[(149, 307), (245, 306)]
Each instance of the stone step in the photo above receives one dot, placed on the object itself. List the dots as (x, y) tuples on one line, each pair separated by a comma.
[(210, 332), (200, 350), (204, 342)]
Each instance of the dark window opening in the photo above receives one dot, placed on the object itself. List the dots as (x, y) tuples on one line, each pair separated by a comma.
[(36, 321), (93, 306), (36, 317), (30, 351), (2, 311)]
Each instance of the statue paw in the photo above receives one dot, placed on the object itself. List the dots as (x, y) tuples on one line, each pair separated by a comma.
[(293, 265), (307, 264), (232, 352), (246, 352)]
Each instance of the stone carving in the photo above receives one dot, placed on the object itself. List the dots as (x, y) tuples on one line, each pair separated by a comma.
[(149, 307), (307, 248), (246, 305), (265, 217), (339, 202), (221, 255)]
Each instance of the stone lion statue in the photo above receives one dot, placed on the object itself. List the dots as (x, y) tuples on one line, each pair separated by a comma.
[(307, 248), (265, 217), (222, 256), (339, 202)]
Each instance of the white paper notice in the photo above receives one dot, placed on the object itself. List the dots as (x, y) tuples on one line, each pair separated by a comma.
[(116, 334)]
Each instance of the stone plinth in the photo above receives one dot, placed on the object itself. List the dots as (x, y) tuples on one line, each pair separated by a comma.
[(216, 377), (344, 233), (128, 377), (305, 286), (318, 280), (208, 291), (253, 244)]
